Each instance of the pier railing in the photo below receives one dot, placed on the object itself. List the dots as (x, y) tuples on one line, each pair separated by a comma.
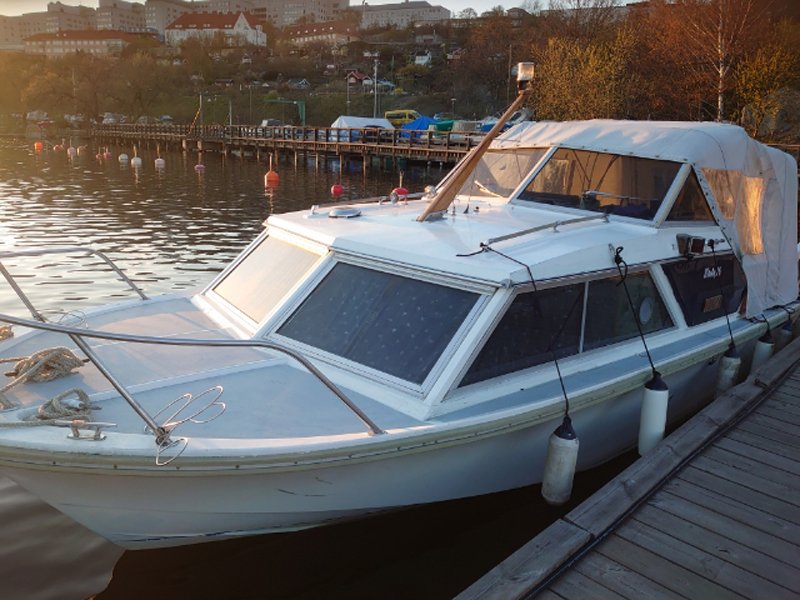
[(366, 141)]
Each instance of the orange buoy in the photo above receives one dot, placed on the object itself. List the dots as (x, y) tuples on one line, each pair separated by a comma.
[(38, 146), (401, 192), (337, 189), (271, 179)]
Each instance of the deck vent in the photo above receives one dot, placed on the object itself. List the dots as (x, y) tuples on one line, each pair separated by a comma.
[(344, 212)]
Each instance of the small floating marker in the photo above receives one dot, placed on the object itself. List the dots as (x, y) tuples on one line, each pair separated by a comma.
[(123, 159), (653, 418), (559, 467), (729, 365), (38, 146), (271, 179), (136, 161), (199, 168), (783, 335), (72, 152), (159, 163), (762, 351), (107, 154), (337, 190)]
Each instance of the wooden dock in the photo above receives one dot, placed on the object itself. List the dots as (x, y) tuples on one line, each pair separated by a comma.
[(712, 512), (444, 147)]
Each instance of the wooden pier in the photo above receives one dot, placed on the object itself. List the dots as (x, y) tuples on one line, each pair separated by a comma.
[(712, 512), (365, 144)]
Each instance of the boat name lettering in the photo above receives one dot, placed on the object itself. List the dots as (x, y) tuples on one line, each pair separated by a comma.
[(712, 272)]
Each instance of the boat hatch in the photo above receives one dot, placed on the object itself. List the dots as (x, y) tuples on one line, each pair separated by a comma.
[(395, 324), (617, 184)]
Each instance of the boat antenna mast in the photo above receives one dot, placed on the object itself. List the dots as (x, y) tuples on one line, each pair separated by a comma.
[(444, 196)]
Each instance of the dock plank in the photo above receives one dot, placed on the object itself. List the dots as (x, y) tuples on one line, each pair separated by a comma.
[(762, 479), (784, 401), (712, 544), (751, 497), (729, 528), (776, 412), (758, 454), (579, 587), (678, 579), (529, 564), (768, 523), (620, 579), (695, 559), (758, 441), (767, 431), (751, 465)]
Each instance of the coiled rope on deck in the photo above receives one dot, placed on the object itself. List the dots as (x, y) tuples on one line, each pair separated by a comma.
[(44, 365), (6, 332)]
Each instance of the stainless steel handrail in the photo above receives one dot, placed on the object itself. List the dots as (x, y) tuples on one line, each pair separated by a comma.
[(143, 339), (60, 250)]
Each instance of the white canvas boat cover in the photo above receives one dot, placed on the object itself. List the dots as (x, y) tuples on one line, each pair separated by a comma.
[(751, 188), (347, 122)]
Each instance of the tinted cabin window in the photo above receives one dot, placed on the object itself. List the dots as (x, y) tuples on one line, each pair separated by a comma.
[(690, 205), (391, 323), (608, 312), (705, 289), (540, 325), (609, 183), (537, 326)]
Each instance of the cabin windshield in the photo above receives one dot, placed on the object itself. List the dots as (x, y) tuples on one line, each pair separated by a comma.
[(384, 321), (608, 183), (500, 171), (256, 285)]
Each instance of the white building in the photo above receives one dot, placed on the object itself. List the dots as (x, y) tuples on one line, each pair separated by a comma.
[(121, 16), (239, 29), (401, 14)]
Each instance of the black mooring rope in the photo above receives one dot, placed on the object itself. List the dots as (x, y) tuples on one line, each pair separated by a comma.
[(712, 244), (487, 248), (620, 262)]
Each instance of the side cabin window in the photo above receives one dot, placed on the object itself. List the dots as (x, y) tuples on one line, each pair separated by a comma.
[(705, 288), (394, 324), (690, 204), (567, 320), (630, 186)]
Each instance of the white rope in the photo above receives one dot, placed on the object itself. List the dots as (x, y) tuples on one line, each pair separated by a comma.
[(57, 408), (44, 365)]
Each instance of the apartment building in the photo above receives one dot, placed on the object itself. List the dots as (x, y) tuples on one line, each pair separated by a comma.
[(239, 29), (401, 14)]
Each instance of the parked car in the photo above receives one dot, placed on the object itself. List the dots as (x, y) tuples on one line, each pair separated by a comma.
[(400, 117)]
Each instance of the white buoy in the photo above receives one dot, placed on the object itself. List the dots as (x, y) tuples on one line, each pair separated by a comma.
[(762, 351), (136, 161), (123, 158), (653, 418), (559, 467), (783, 335), (729, 365), (160, 163)]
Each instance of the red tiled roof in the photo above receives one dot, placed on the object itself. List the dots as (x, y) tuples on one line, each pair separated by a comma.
[(211, 20)]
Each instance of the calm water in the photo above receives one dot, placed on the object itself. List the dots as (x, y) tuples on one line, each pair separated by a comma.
[(172, 231)]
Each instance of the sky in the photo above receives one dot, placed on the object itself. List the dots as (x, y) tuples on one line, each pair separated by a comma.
[(17, 7)]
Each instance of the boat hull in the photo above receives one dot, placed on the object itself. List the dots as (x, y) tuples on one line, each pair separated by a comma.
[(146, 507)]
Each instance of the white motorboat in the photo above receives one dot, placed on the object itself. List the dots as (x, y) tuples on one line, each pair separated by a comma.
[(363, 358)]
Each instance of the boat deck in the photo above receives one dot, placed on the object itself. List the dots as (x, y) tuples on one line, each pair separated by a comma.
[(712, 512)]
